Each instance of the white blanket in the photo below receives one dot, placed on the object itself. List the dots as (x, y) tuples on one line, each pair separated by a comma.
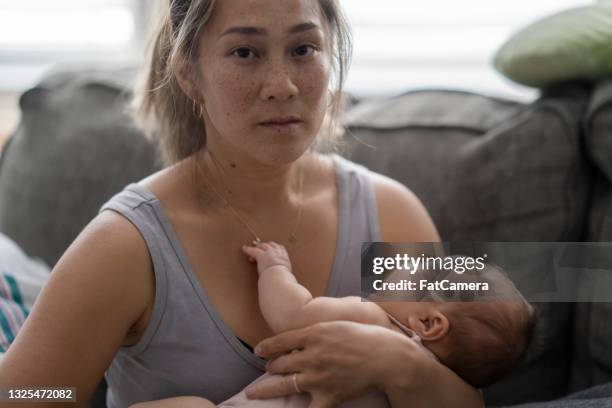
[(21, 279)]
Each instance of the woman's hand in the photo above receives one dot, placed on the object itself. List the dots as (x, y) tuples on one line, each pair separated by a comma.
[(338, 361)]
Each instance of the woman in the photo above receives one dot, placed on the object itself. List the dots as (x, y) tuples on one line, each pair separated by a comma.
[(157, 291)]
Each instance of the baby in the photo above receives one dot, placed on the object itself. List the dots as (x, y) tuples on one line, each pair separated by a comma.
[(480, 341)]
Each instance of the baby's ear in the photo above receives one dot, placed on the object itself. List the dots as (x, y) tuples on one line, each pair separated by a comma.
[(430, 326)]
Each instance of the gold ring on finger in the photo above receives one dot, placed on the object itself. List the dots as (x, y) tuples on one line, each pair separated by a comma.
[(295, 383)]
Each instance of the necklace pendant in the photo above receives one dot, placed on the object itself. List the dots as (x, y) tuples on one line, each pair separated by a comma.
[(256, 241), (292, 239)]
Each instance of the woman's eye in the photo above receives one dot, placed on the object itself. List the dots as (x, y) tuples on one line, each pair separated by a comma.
[(303, 50), (243, 53), (246, 53)]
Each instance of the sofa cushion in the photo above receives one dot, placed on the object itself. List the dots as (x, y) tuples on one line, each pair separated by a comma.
[(490, 170), (598, 128), (593, 330), (573, 44), (486, 169), (74, 148)]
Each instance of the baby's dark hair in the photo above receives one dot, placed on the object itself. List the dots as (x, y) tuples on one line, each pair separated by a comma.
[(487, 339)]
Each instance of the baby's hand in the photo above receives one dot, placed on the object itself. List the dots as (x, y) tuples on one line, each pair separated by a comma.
[(268, 255)]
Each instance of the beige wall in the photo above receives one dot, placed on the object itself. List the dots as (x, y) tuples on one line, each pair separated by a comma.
[(9, 114)]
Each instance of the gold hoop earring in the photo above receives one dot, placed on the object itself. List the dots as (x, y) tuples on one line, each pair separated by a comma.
[(201, 106), (194, 109), (198, 109)]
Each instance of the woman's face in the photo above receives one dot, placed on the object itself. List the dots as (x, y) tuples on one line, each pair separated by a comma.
[(261, 61)]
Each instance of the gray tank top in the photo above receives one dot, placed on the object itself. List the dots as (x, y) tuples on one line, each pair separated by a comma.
[(187, 349)]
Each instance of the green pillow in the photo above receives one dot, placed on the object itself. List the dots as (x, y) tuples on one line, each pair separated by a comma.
[(574, 44)]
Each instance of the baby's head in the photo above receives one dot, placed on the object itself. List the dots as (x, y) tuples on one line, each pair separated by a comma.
[(481, 339)]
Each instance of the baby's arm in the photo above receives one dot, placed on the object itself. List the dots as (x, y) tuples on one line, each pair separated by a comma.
[(287, 305)]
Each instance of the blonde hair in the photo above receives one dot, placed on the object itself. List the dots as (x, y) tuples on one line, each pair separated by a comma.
[(170, 117)]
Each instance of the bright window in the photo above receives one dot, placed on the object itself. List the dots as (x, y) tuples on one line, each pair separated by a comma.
[(39, 25), (35, 34), (403, 44)]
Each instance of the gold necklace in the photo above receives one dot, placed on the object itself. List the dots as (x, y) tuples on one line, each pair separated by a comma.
[(228, 204)]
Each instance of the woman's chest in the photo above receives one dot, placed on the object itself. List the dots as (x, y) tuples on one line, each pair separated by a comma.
[(220, 271), (229, 280)]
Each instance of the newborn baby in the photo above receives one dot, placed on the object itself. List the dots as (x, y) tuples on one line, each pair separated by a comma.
[(480, 341)]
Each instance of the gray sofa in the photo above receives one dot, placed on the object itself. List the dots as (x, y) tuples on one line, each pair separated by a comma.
[(487, 170)]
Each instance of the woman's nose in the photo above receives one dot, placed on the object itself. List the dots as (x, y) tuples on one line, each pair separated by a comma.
[(278, 83)]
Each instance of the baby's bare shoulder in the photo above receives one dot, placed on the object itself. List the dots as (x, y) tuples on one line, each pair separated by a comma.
[(350, 308), (367, 312)]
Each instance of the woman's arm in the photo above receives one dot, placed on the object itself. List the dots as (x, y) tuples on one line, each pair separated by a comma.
[(339, 361), (432, 385), (95, 293)]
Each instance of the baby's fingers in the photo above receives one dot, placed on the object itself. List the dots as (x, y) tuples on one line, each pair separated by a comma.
[(253, 252)]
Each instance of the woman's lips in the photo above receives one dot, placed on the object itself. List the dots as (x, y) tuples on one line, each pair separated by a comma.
[(284, 126)]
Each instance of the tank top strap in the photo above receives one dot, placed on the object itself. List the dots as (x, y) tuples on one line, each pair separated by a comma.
[(135, 203), (358, 224), (359, 197)]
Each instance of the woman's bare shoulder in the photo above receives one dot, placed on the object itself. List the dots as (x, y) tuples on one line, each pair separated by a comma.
[(322, 168), (402, 215), (175, 188), (168, 180), (132, 254), (110, 247), (112, 251)]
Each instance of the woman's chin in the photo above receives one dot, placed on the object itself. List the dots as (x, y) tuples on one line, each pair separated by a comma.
[(284, 148)]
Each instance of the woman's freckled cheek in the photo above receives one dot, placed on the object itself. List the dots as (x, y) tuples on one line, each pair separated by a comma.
[(310, 89), (232, 90)]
